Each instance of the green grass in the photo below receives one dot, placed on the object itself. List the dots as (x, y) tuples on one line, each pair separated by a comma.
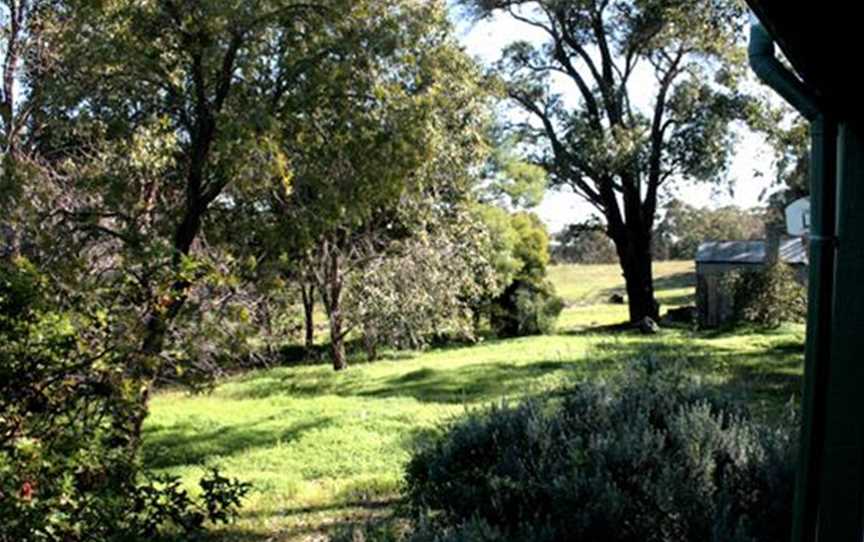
[(587, 289), (324, 450)]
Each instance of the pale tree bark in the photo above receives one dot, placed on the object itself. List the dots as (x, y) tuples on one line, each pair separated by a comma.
[(13, 114), (330, 284), (307, 292)]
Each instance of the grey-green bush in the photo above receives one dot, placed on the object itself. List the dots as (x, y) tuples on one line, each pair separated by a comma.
[(651, 457)]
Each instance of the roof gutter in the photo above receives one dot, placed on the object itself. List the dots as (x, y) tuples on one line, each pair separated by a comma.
[(773, 73), (823, 256)]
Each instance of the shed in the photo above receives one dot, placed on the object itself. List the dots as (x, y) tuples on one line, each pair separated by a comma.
[(716, 259)]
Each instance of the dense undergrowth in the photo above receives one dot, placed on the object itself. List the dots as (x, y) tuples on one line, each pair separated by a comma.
[(646, 456)]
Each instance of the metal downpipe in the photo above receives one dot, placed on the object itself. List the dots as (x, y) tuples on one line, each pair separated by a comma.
[(823, 203)]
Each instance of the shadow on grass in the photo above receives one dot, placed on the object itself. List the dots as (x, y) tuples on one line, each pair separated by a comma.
[(765, 378), (759, 362), (676, 301), (736, 329), (611, 330), (185, 444), (768, 372), (467, 384), (675, 282), (339, 517)]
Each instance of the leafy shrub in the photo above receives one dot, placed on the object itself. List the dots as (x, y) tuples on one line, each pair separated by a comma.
[(67, 469), (162, 508), (526, 308), (652, 457), (525, 303), (770, 297)]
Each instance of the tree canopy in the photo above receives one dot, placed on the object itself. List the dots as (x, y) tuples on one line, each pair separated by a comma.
[(603, 146)]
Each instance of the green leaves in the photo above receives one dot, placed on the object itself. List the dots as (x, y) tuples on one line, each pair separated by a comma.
[(597, 47), (685, 227), (520, 183), (66, 471)]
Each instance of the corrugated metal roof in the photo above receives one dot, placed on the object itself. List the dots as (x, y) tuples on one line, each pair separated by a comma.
[(792, 251)]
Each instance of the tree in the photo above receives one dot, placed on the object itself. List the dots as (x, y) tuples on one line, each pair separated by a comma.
[(25, 57), (685, 227), (528, 304), (391, 144), (511, 181), (424, 289), (64, 473), (614, 155), (790, 141), (583, 243), (20, 49), (159, 113)]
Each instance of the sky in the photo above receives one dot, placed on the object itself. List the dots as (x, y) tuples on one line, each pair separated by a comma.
[(749, 174)]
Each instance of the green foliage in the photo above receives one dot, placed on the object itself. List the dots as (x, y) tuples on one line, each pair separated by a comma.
[(791, 144), (520, 244), (67, 472), (770, 297), (685, 227), (383, 158), (584, 243), (526, 308), (650, 456), (503, 240), (532, 246), (528, 304), (424, 288), (513, 181), (163, 509)]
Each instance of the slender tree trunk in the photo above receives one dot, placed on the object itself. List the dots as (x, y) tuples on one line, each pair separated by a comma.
[(163, 312), (370, 342), (337, 340), (333, 301), (308, 293), (145, 371)]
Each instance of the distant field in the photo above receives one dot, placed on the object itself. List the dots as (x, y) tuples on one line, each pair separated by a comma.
[(587, 288), (325, 449)]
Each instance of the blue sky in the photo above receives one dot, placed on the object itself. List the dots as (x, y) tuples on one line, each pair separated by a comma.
[(485, 40)]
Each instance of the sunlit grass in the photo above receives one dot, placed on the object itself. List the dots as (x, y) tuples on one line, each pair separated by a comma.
[(587, 289), (324, 449)]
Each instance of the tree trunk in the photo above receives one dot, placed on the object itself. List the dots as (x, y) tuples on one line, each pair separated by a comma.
[(308, 292), (370, 342), (333, 301), (337, 341), (634, 253), (145, 371)]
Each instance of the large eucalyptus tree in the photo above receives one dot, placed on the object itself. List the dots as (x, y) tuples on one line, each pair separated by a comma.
[(606, 144)]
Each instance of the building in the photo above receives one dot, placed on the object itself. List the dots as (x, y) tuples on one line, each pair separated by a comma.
[(717, 260)]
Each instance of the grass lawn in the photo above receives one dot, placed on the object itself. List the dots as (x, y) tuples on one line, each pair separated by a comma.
[(324, 449)]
